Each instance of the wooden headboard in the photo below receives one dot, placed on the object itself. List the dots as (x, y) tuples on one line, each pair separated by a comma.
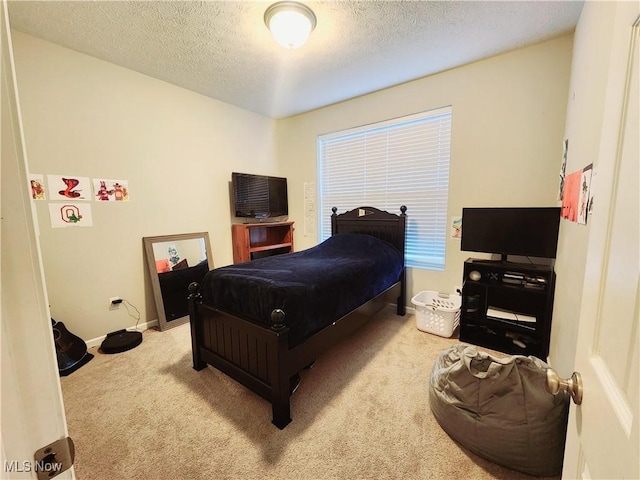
[(372, 221)]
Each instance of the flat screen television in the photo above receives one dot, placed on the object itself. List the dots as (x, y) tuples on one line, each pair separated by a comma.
[(259, 196), (529, 232)]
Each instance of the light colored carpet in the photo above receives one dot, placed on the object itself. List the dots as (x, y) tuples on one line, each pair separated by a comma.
[(361, 412)]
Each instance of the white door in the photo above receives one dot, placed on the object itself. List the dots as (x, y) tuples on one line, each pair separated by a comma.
[(602, 438), (32, 408)]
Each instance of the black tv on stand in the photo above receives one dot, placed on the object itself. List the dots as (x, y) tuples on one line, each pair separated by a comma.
[(259, 197), (522, 231)]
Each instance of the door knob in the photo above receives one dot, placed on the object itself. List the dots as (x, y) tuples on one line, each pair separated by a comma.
[(572, 385)]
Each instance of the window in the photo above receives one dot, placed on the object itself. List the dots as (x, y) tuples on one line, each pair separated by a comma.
[(398, 162)]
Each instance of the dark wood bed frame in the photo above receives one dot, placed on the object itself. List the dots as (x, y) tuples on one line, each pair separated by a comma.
[(259, 357)]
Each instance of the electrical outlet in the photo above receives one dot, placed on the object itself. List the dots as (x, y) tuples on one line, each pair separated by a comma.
[(114, 303)]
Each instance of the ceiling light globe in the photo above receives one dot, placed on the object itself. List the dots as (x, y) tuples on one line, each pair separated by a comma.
[(290, 23)]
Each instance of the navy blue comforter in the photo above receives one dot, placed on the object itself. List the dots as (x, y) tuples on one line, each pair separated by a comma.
[(314, 287)]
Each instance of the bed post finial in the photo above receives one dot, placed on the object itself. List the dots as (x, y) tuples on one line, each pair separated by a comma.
[(403, 209), (334, 220), (194, 291), (277, 320)]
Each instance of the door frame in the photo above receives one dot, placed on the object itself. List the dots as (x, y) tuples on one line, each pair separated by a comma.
[(32, 406)]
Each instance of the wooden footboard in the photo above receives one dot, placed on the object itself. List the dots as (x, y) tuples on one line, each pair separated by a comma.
[(252, 355), (259, 357)]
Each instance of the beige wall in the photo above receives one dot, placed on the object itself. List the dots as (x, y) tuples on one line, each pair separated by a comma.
[(508, 119), (589, 74), (176, 148)]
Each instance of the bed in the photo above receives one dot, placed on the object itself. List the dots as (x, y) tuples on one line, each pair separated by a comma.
[(261, 322)]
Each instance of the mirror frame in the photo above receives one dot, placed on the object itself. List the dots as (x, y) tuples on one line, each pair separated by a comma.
[(148, 242)]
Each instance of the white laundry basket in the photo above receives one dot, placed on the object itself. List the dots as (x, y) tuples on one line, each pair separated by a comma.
[(436, 312)]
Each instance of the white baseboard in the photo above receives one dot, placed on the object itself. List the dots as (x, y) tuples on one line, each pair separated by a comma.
[(94, 342)]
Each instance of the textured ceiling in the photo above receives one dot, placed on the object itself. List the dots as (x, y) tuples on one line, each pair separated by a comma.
[(222, 49)]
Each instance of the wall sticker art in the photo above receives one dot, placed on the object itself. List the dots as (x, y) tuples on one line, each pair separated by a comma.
[(68, 187), (38, 192), (456, 228), (570, 196), (563, 167), (70, 214), (107, 190), (584, 202), (576, 197), (310, 217)]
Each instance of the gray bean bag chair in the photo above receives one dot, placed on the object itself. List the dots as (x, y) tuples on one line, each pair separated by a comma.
[(498, 408)]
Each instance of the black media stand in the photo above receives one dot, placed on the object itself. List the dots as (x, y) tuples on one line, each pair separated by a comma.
[(507, 306)]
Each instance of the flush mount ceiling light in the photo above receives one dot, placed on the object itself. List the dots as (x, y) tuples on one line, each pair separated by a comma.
[(290, 23)]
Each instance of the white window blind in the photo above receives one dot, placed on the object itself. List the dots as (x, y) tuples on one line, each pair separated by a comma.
[(403, 161)]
